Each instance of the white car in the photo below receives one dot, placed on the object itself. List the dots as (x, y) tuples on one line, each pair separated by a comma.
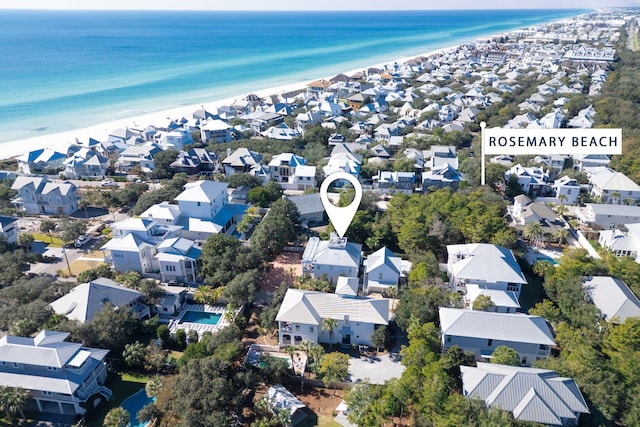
[(82, 240), (109, 184)]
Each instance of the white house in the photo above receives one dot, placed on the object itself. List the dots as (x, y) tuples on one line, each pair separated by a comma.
[(205, 210), (83, 302), (242, 160), (163, 213), (486, 265), (177, 260), (62, 377), (215, 130), (302, 314), (40, 160), (36, 195), (534, 395), (290, 171), (331, 258), (175, 139), (137, 156), (503, 301), (86, 163), (9, 229), (480, 332), (613, 298), (384, 270), (608, 216), (566, 190), (613, 187)]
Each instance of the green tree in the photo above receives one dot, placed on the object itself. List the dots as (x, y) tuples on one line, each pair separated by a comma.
[(380, 337), (153, 386), (239, 179), (134, 354), (117, 417), (329, 325), (483, 303), (13, 400), (25, 240), (504, 355), (48, 226), (162, 164), (534, 232), (334, 367), (70, 229)]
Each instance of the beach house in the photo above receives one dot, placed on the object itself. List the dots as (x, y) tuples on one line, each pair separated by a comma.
[(384, 270), (331, 258), (9, 229), (531, 395), (613, 298), (196, 161), (485, 265), (302, 313), (86, 300), (37, 195), (480, 332), (62, 377)]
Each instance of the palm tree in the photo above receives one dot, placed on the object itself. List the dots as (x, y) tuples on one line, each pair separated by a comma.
[(12, 400), (330, 325), (393, 290), (562, 234), (84, 203), (25, 241), (307, 347), (153, 386), (291, 350), (315, 353), (209, 295), (117, 417), (47, 226), (534, 232)]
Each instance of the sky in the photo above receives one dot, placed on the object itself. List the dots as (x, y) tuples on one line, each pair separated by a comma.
[(304, 5)]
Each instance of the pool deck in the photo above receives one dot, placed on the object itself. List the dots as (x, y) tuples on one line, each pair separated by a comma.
[(200, 328)]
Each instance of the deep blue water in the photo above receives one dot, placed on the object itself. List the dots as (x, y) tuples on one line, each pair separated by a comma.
[(64, 70)]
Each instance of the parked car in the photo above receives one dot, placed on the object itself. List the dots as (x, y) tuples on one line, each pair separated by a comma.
[(109, 184), (82, 240)]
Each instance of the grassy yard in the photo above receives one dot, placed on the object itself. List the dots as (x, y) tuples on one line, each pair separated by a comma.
[(81, 265), (123, 385), (42, 237)]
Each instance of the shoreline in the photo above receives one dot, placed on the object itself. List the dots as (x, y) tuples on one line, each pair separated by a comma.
[(61, 140)]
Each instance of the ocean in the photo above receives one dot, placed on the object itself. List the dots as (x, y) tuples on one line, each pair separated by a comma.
[(66, 70)]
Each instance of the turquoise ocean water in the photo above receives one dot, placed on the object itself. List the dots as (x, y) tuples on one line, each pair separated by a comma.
[(64, 70)]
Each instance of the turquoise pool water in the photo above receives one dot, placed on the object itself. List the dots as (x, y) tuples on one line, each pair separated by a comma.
[(201, 317), (133, 404)]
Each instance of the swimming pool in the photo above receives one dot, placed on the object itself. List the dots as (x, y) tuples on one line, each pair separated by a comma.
[(133, 404), (201, 317)]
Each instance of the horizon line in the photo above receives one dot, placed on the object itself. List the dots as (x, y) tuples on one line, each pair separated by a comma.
[(305, 10)]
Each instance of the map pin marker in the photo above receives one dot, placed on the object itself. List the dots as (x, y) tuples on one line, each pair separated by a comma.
[(340, 217)]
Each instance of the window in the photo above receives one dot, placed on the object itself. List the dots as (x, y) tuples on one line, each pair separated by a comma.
[(448, 338), (52, 368), (198, 203), (310, 328), (489, 342), (47, 393), (297, 327), (524, 360)]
